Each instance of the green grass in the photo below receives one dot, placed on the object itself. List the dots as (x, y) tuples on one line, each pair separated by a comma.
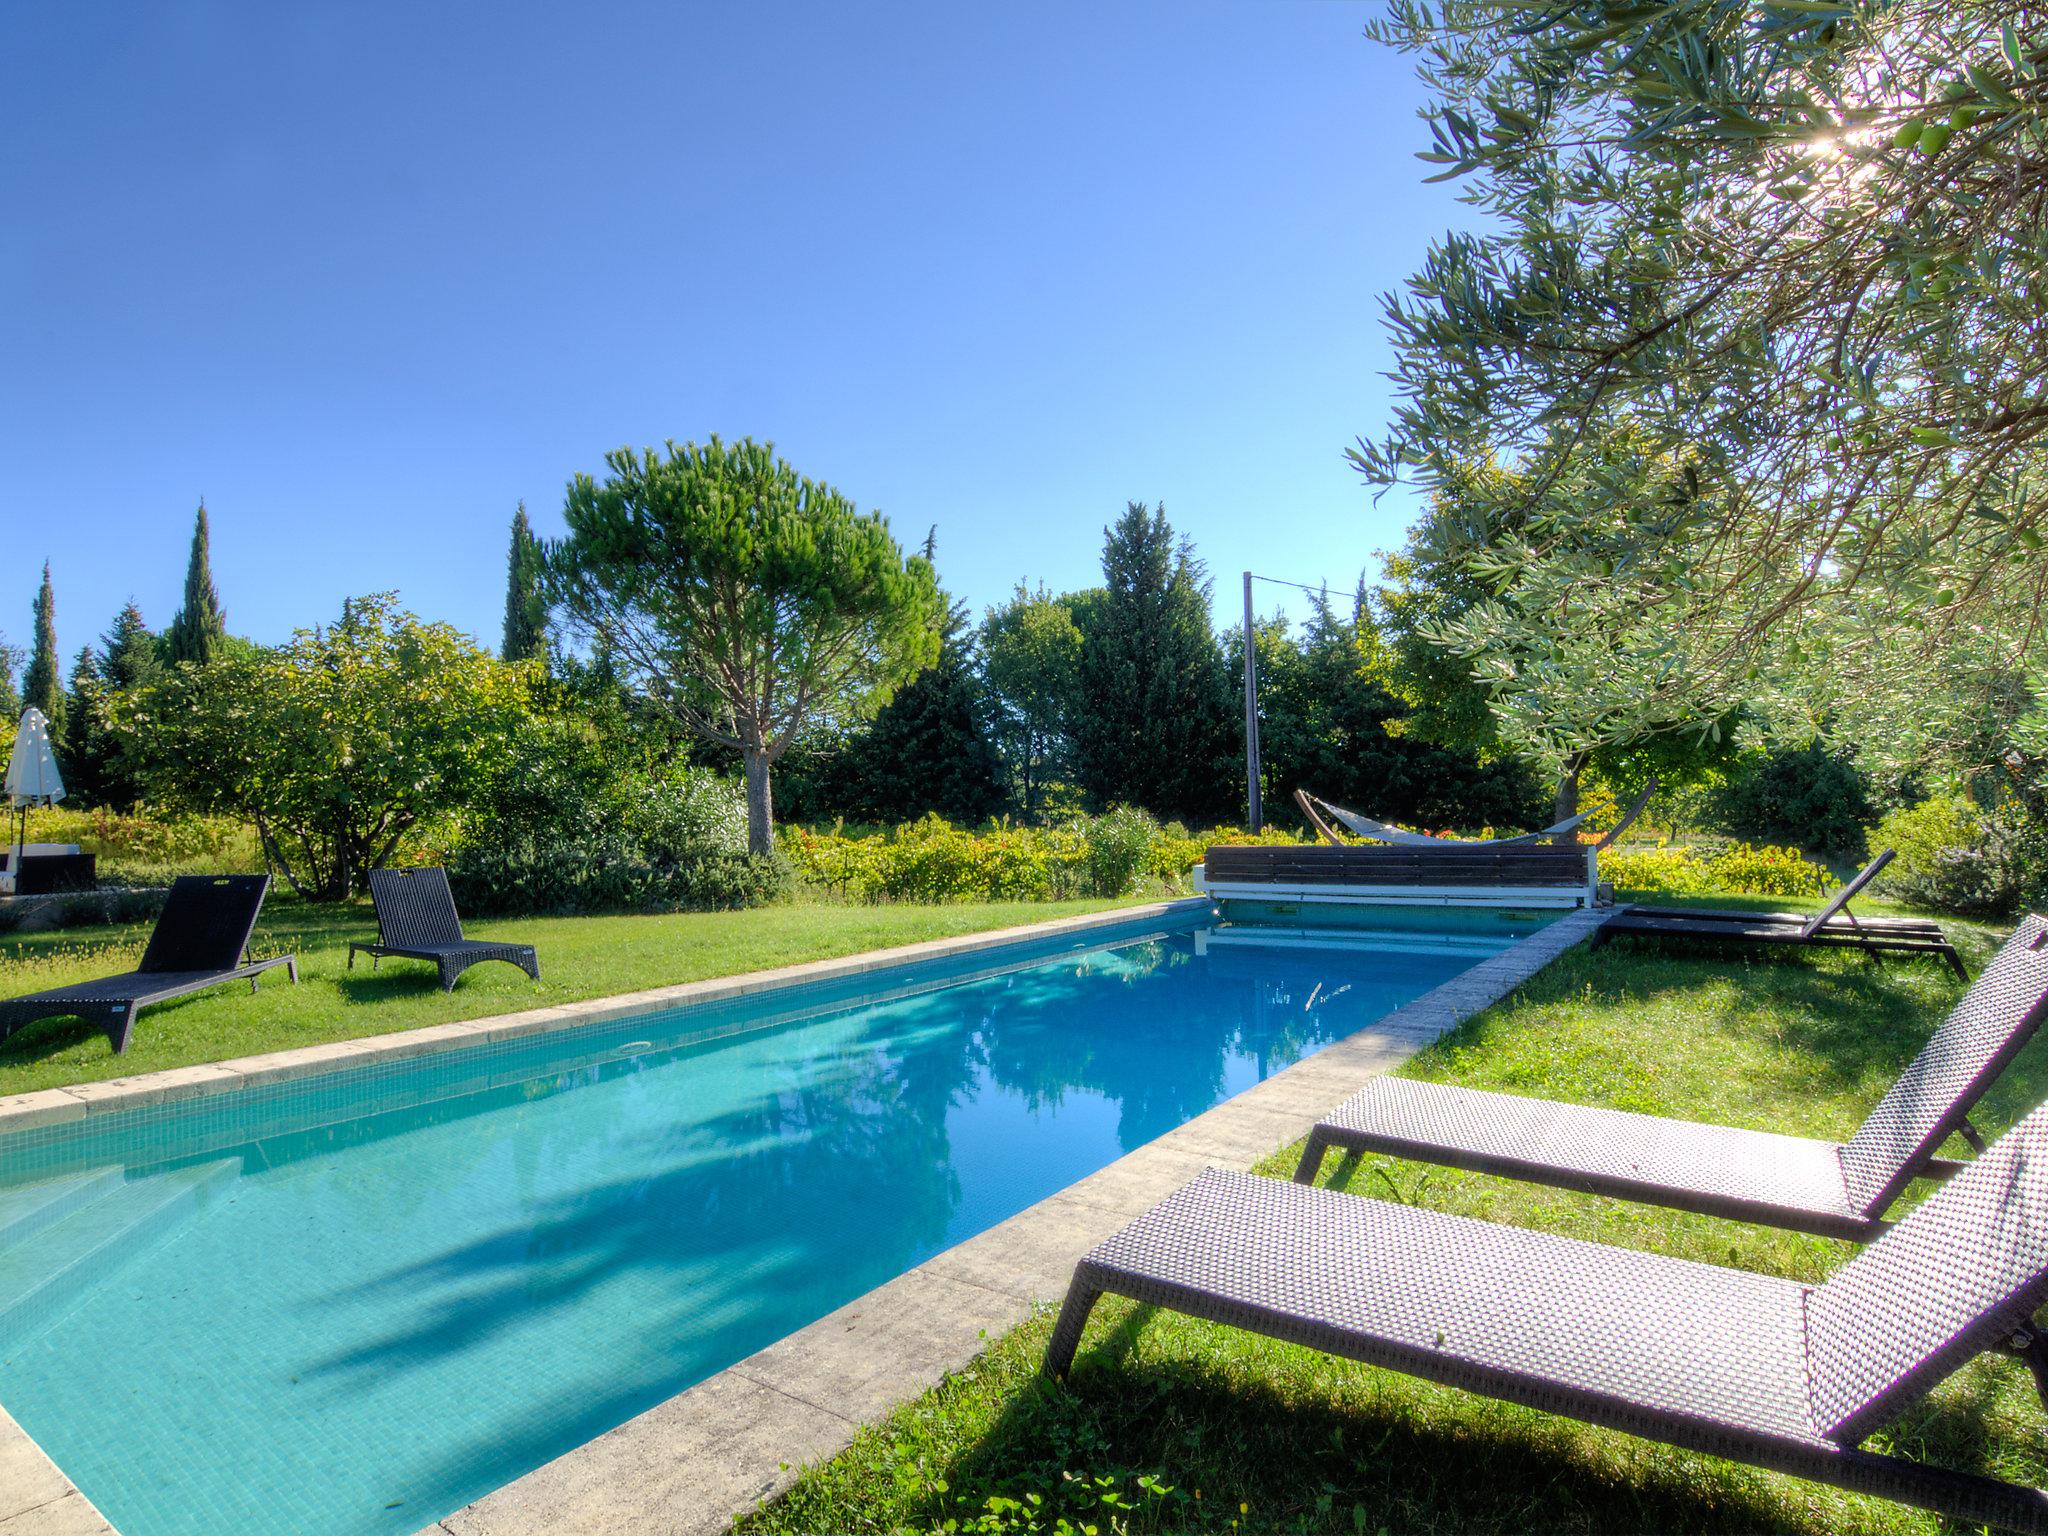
[(1250, 1435), (580, 957)]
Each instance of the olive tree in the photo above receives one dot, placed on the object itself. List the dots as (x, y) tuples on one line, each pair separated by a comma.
[(1788, 257), (335, 744), (746, 600)]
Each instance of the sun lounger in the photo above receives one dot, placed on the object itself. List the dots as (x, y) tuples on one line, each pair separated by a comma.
[(1719, 1170), (1832, 927), (416, 920), (1757, 1369), (201, 939)]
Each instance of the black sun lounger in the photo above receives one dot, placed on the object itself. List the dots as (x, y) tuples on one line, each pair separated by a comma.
[(416, 920), (1834, 926), (1751, 1367), (1718, 1170), (201, 939)]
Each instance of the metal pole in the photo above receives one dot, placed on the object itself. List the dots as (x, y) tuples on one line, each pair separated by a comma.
[(1257, 816)]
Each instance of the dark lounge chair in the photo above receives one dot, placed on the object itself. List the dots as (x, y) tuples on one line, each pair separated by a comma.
[(1834, 926), (416, 920), (1721, 1170), (201, 939), (1750, 1367)]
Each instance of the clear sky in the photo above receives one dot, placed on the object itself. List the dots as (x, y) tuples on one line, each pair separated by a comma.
[(365, 276)]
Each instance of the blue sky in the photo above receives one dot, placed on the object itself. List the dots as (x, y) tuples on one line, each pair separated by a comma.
[(365, 276)]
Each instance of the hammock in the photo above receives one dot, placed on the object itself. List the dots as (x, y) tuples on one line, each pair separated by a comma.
[(1379, 831)]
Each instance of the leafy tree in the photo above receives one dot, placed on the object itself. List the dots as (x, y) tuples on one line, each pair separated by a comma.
[(927, 749), (199, 631), (747, 601), (1563, 664), (1031, 658), (526, 604), (1791, 251), (338, 743), (1153, 724), (41, 688)]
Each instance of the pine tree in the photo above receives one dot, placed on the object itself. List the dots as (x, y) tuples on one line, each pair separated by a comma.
[(10, 699), (131, 654), (927, 749), (40, 686), (1153, 720), (526, 608), (100, 759), (78, 746), (200, 628)]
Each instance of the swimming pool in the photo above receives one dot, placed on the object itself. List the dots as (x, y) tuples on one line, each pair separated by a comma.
[(354, 1302)]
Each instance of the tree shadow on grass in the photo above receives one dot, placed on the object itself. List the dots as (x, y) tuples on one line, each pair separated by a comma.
[(1278, 1439)]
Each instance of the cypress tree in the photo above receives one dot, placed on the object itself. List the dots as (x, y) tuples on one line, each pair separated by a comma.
[(526, 608), (41, 687), (1153, 720), (200, 628)]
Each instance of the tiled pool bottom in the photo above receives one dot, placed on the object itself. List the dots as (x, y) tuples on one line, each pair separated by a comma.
[(355, 1302)]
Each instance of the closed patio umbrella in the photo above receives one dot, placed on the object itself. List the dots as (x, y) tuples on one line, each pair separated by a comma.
[(32, 777)]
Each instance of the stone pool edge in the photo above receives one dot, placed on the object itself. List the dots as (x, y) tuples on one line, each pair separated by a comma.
[(688, 1466), (54, 1106)]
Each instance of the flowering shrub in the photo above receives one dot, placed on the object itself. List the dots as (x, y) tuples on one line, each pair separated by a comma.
[(1739, 869), (1119, 851)]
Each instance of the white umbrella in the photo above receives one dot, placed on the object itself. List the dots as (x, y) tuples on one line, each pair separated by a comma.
[(32, 777)]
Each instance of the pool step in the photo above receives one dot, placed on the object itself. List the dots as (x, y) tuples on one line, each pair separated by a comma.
[(26, 1210), (64, 1263)]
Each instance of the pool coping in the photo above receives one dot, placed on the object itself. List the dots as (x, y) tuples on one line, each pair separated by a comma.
[(690, 1465), (53, 1106)]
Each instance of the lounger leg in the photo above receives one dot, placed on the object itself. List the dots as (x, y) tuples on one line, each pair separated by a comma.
[(1948, 953), (118, 1033), (447, 980), (1312, 1156), (1066, 1332), (291, 968)]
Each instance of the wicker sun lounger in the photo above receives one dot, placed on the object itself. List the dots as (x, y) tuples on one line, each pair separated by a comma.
[(1718, 1170), (1754, 1368), (416, 920), (201, 939), (1834, 926)]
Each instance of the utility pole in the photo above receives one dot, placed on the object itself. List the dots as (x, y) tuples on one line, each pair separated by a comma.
[(1256, 819)]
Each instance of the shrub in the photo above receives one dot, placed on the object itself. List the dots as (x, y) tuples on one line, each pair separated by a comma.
[(1118, 843), (1952, 858), (148, 847), (1810, 796), (1739, 869), (570, 834)]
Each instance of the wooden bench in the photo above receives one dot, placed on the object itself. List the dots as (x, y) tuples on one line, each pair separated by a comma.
[(1529, 875)]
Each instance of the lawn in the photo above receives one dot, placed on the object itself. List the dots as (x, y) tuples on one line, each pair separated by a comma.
[(1175, 1425), (580, 957)]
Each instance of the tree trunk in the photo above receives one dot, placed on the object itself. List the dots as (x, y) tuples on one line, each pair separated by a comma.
[(760, 802), (1568, 790)]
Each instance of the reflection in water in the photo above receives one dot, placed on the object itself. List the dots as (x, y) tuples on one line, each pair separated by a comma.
[(387, 1315)]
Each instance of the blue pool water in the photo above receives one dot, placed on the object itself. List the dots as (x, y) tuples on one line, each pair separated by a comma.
[(354, 1302)]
